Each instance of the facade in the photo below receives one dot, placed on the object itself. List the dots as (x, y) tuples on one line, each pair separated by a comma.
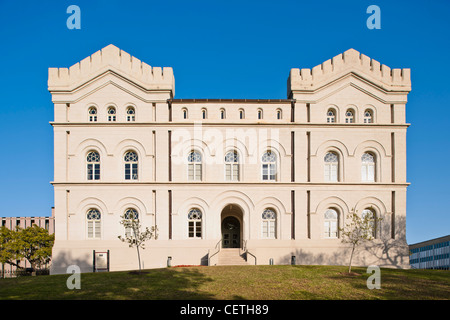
[(431, 254), (267, 179), (48, 223)]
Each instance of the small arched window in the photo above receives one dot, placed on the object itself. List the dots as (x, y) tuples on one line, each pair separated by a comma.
[(279, 114), (241, 114), (131, 114), (204, 113), (195, 223), (349, 116), (93, 165), (92, 114), (330, 223), (185, 113), (194, 166), (269, 166), (111, 114), (331, 165), (222, 114), (331, 116), (368, 116), (232, 166), (93, 224), (260, 114), (131, 165), (268, 225), (368, 167)]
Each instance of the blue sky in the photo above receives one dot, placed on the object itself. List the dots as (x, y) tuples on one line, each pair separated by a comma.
[(224, 49)]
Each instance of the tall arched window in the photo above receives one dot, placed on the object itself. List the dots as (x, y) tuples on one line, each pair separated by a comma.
[(194, 166), (368, 167), (330, 223), (204, 113), (130, 214), (92, 114), (185, 113), (195, 223), (93, 224), (269, 166), (131, 114), (232, 166), (331, 165), (349, 116), (370, 215), (268, 224), (331, 116), (260, 114), (93, 165), (131, 165), (111, 114), (222, 114), (368, 116)]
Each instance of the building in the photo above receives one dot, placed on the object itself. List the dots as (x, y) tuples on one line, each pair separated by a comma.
[(431, 254), (228, 180), (48, 223)]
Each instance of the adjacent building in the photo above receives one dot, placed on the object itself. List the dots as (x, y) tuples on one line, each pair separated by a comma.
[(254, 180), (431, 254)]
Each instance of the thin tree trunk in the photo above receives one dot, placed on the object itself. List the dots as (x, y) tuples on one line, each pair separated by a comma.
[(139, 258), (351, 257)]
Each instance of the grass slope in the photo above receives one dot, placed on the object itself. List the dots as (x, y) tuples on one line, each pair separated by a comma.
[(236, 282)]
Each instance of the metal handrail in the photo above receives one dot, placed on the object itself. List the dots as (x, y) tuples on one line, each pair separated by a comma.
[(219, 244), (248, 252)]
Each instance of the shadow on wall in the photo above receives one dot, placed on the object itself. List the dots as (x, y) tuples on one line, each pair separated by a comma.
[(64, 260), (391, 251)]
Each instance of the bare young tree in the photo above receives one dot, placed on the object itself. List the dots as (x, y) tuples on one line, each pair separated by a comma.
[(134, 236), (358, 230)]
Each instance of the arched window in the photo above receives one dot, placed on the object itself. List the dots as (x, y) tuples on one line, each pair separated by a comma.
[(111, 114), (241, 114), (195, 223), (370, 215), (349, 116), (331, 116), (93, 165), (185, 113), (204, 113), (130, 214), (368, 116), (331, 167), (279, 114), (232, 166), (268, 224), (92, 114), (131, 165), (222, 114), (131, 114), (368, 167), (93, 224), (260, 114), (194, 166), (269, 166), (330, 223)]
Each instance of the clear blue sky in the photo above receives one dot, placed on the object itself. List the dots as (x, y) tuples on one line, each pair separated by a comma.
[(224, 49)]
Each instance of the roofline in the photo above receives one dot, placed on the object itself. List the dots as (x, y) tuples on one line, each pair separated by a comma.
[(231, 100)]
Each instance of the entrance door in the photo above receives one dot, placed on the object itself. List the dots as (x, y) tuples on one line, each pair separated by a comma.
[(231, 233)]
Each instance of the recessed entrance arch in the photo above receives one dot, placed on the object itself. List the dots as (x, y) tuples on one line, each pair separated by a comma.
[(231, 226)]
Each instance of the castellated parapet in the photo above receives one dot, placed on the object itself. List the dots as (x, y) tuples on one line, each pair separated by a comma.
[(351, 61), (113, 59)]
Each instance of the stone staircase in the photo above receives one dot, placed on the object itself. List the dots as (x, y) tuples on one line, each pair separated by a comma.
[(231, 257)]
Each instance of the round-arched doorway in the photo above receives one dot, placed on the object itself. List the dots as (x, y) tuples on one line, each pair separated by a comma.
[(231, 232)]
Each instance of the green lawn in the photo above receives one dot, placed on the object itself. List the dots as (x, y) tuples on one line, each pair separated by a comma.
[(237, 282)]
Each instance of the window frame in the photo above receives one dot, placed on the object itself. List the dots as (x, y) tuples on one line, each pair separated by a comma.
[(94, 223), (271, 167), (195, 224), (269, 224), (93, 168), (132, 166), (195, 165)]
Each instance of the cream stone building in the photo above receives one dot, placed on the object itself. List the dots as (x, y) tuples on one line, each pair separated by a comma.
[(228, 181)]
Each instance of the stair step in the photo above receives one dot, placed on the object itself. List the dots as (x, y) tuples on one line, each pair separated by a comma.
[(228, 257)]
